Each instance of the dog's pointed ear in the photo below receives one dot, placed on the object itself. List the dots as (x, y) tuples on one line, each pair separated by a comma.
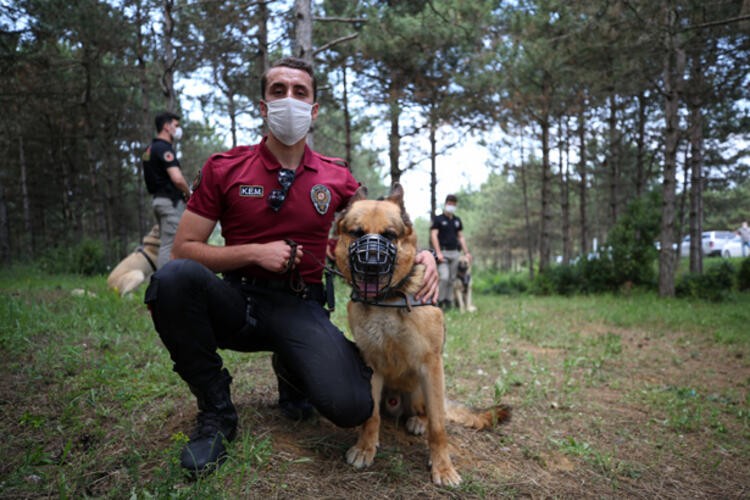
[(397, 197), (397, 194), (359, 194)]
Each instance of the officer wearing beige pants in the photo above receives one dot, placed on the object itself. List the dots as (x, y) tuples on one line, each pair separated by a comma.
[(447, 239), (164, 180)]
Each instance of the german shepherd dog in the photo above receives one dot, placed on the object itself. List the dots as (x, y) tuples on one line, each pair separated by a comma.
[(400, 339), (462, 286), (136, 267)]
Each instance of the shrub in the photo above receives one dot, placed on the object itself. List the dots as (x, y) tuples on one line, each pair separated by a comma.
[(563, 280), (598, 274), (87, 258), (632, 243), (715, 285), (500, 284), (743, 275)]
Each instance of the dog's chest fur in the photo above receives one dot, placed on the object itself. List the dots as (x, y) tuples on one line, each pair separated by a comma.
[(390, 341)]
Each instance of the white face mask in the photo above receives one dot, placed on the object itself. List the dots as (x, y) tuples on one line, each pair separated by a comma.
[(450, 209), (289, 119), (177, 134)]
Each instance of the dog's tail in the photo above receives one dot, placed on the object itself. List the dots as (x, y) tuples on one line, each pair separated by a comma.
[(474, 418)]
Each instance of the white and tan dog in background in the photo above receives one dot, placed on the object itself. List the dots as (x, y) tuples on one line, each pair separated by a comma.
[(462, 286), (136, 267)]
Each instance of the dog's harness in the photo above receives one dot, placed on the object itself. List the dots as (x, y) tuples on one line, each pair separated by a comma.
[(395, 298), (141, 251)]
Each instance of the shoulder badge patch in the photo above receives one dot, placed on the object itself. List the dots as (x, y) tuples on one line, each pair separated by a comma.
[(321, 198), (251, 191), (168, 156)]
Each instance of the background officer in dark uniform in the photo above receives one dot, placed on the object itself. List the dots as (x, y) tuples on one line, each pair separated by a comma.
[(447, 238), (164, 180), (275, 201)]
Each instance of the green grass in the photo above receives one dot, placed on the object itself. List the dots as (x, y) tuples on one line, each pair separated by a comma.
[(91, 407)]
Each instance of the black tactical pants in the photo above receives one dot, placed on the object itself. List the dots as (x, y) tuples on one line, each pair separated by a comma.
[(195, 313)]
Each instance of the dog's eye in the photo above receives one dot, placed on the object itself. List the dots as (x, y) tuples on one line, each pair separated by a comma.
[(356, 233), (390, 235)]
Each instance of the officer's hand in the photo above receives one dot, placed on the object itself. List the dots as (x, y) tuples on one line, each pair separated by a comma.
[(276, 255), (429, 290)]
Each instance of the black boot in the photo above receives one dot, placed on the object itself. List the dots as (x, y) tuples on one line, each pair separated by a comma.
[(217, 421), (293, 403)]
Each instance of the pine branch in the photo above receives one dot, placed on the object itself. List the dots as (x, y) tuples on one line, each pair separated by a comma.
[(335, 42)]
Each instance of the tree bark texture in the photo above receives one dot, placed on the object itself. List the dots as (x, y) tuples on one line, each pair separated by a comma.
[(674, 65)]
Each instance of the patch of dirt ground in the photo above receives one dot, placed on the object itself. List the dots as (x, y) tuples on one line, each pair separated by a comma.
[(663, 418)]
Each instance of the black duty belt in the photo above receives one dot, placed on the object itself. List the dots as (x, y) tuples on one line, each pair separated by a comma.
[(313, 291)]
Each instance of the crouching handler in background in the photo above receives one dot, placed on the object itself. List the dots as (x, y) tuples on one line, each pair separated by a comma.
[(276, 202)]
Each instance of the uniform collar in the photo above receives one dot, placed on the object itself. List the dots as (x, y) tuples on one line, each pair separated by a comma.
[(271, 163)]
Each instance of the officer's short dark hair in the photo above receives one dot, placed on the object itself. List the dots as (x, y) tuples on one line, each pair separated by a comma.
[(294, 63), (164, 118), (451, 197)]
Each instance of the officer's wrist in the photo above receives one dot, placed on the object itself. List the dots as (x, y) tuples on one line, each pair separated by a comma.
[(432, 251)]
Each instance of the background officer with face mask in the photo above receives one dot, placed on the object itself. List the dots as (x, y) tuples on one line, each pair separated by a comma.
[(275, 201), (447, 238), (164, 180)]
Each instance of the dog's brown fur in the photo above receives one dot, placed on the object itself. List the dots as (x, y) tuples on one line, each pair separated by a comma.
[(462, 286), (403, 346), (135, 268)]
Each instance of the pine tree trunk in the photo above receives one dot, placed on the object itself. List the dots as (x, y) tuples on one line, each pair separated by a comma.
[(583, 189), (25, 201), (4, 228), (138, 149), (433, 163), (302, 45), (674, 65), (695, 135), (546, 222), (613, 160), (565, 192), (394, 139), (168, 56), (303, 30), (640, 179), (696, 188), (347, 118), (526, 214)]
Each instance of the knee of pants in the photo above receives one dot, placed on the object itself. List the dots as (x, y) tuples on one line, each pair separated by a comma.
[(347, 402), (348, 412), (444, 272), (174, 283)]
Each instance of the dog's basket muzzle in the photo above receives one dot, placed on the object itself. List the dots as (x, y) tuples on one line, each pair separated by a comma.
[(372, 260)]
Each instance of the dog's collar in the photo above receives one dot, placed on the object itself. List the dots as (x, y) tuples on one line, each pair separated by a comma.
[(392, 299), (151, 262)]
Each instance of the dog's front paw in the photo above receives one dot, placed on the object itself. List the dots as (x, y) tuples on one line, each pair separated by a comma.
[(445, 474), (417, 425), (360, 457)]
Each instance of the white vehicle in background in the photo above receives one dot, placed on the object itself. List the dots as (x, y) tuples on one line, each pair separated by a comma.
[(732, 248), (712, 243)]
